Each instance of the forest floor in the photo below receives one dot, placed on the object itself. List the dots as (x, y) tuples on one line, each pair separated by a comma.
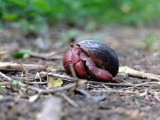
[(134, 99)]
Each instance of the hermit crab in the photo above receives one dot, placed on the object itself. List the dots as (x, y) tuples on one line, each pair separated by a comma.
[(92, 59)]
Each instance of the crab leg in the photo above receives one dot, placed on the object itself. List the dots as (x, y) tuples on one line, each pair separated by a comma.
[(78, 64), (72, 57), (100, 73), (67, 61)]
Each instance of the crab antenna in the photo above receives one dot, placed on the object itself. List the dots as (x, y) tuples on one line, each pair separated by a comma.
[(54, 55)]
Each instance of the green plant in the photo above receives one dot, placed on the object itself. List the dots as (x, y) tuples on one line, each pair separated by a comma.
[(37, 14)]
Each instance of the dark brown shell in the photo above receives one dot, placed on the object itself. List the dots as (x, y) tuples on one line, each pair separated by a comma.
[(103, 56)]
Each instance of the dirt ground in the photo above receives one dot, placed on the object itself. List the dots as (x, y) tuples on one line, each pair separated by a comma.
[(90, 101)]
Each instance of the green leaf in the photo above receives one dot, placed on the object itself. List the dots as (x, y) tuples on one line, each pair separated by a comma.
[(21, 53), (19, 2), (14, 82), (41, 4), (9, 16)]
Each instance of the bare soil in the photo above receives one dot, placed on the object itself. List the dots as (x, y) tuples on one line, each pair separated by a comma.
[(133, 103)]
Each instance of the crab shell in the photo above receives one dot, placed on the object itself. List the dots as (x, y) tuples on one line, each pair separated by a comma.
[(103, 56)]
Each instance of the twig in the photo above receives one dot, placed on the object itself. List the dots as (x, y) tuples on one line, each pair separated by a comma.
[(64, 77), (15, 67), (143, 84), (73, 72), (38, 83), (22, 78), (52, 55), (135, 73), (118, 84), (38, 55), (3, 76), (44, 74), (95, 99), (84, 92), (112, 91), (66, 87), (45, 55), (69, 100), (26, 74)]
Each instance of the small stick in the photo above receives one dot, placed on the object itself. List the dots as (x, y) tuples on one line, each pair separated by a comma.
[(73, 72), (38, 55), (26, 73), (144, 84), (119, 84), (3, 76), (58, 76), (113, 91), (38, 83), (66, 87), (15, 67), (135, 73), (53, 55), (69, 100)]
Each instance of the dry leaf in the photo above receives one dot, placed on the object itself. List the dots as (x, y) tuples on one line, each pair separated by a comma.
[(54, 83)]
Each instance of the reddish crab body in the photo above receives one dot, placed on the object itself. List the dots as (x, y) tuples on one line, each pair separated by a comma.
[(87, 60)]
